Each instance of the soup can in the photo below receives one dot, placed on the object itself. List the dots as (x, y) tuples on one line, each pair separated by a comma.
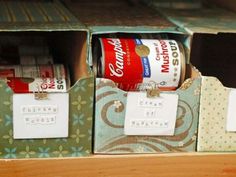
[(33, 71), (47, 78), (136, 64), (33, 50), (36, 60), (31, 85)]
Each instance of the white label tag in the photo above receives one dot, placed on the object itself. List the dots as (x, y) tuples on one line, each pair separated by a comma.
[(231, 116), (150, 116), (40, 118)]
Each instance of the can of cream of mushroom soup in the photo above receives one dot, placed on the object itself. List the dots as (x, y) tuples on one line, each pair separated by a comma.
[(136, 64)]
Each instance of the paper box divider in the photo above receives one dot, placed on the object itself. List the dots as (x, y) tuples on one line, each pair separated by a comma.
[(58, 26), (213, 31)]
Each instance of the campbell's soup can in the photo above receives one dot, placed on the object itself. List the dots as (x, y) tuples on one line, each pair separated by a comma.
[(31, 85), (33, 71), (26, 60), (56, 77), (36, 60), (33, 50), (136, 64)]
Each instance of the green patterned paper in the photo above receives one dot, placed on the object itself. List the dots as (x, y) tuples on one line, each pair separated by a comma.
[(204, 20), (36, 16), (110, 114), (80, 127)]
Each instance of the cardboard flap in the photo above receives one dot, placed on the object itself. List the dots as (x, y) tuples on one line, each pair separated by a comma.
[(204, 20), (119, 16), (36, 16)]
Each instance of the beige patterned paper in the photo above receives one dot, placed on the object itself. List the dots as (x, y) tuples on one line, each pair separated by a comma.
[(212, 134)]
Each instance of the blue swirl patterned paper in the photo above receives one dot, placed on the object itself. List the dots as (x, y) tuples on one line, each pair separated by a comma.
[(109, 122)]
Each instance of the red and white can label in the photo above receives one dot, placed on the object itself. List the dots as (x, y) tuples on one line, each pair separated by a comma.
[(164, 63), (36, 60), (44, 71), (120, 62), (29, 85), (139, 62)]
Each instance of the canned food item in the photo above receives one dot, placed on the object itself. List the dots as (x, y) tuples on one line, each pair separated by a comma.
[(24, 55), (9, 55), (17, 40), (9, 60), (26, 60), (33, 50), (34, 71), (139, 63), (36, 60), (31, 85)]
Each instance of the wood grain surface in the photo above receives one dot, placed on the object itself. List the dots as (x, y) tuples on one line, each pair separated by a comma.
[(164, 165)]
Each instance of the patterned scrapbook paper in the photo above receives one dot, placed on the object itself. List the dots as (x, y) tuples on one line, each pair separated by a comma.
[(109, 122), (36, 15), (80, 127), (203, 20), (212, 134), (121, 13)]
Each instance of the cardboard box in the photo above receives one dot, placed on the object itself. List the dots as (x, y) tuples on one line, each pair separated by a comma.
[(67, 38), (126, 19), (214, 43), (217, 85)]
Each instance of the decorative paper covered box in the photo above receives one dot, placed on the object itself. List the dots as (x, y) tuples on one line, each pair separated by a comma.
[(136, 19), (110, 114), (214, 43), (66, 38), (212, 126)]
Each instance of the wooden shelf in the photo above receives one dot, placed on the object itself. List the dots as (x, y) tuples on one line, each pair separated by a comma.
[(162, 165)]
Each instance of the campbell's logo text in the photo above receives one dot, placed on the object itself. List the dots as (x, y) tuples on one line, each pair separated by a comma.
[(117, 69)]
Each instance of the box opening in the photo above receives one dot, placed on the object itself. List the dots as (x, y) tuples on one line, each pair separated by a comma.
[(214, 55), (66, 47)]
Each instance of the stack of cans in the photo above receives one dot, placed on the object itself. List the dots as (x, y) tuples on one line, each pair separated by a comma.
[(31, 68)]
